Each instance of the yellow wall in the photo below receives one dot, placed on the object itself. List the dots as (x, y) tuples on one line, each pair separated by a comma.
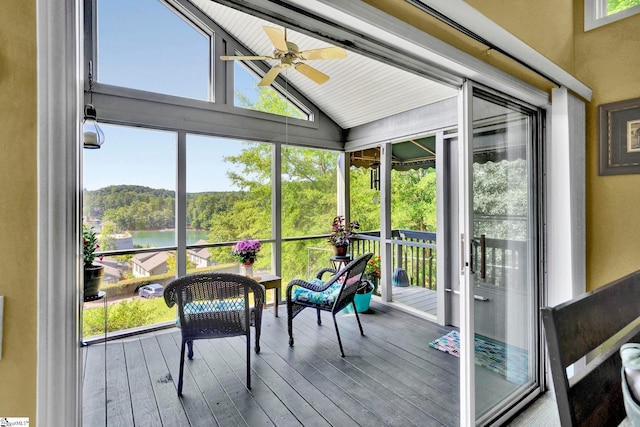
[(608, 60), (18, 208), (546, 26)]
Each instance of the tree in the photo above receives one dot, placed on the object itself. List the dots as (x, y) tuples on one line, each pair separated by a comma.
[(500, 199), (171, 263), (615, 6), (107, 241)]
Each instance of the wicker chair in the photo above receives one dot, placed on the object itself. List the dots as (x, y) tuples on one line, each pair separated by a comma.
[(215, 305), (332, 295)]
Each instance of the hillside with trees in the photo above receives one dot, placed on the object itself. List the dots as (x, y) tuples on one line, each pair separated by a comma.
[(134, 207)]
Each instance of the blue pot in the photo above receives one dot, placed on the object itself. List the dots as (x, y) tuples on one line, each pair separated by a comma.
[(362, 301)]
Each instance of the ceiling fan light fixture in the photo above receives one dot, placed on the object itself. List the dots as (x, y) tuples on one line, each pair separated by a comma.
[(289, 55)]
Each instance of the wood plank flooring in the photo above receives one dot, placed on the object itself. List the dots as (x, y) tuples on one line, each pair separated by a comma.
[(419, 298), (388, 377)]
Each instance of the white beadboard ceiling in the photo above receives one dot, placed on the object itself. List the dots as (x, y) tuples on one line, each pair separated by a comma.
[(360, 90)]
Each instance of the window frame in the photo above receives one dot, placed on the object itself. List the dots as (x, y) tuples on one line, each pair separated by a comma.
[(220, 72), (595, 14)]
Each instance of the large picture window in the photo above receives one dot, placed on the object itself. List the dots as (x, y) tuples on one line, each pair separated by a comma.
[(147, 46)]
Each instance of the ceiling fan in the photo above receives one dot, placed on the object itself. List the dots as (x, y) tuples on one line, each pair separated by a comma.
[(290, 56)]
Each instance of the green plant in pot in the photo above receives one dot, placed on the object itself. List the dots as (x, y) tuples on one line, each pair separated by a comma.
[(92, 273), (341, 234), (372, 272)]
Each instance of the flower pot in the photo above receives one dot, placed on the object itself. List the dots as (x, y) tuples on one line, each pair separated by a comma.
[(246, 270), (341, 250), (362, 301), (92, 281)]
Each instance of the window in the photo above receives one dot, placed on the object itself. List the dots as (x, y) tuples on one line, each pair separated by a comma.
[(129, 199), (602, 12), (145, 45), (247, 94), (228, 199)]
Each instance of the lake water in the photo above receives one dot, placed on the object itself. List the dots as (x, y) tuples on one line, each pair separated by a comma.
[(155, 238)]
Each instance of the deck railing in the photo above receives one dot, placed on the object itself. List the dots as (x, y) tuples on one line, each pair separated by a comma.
[(496, 260), (414, 251)]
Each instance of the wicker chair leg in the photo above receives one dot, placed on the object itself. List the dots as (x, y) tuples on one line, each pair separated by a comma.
[(181, 368), (358, 318), (190, 348), (319, 320), (257, 347), (338, 334), (248, 359), (290, 323)]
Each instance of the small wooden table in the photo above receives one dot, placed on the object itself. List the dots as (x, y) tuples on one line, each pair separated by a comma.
[(270, 281), (340, 261)]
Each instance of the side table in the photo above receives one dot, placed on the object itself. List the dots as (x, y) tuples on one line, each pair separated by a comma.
[(340, 261)]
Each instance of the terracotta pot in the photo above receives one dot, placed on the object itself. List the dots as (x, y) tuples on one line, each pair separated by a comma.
[(341, 250)]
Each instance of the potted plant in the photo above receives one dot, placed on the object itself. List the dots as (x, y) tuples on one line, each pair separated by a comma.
[(372, 272), (92, 273), (362, 298), (246, 251), (341, 234)]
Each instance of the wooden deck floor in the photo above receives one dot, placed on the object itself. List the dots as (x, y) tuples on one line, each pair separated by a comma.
[(388, 377), (417, 297)]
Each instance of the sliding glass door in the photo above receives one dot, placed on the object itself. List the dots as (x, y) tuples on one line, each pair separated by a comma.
[(501, 240)]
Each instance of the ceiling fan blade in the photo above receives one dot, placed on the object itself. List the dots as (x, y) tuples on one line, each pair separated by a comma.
[(277, 38), (270, 76), (245, 58), (324, 53), (312, 73)]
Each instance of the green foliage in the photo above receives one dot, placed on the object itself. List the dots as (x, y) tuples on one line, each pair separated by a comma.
[(615, 6), (500, 199), (270, 101), (365, 202), (413, 200), (125, 315), (89, 245), (202, 206), (132, 207), (108, 242), (171, 263)]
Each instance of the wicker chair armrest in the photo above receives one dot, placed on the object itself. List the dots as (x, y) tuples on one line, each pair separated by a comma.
[(325, 270)]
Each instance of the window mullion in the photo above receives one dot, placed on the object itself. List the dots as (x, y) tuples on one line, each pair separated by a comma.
[(181, 205)]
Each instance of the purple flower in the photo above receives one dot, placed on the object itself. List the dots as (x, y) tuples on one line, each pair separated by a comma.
[(246, 250)]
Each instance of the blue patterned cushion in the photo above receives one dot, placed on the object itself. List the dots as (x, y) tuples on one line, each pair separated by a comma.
[(327, 297), (196, 307)]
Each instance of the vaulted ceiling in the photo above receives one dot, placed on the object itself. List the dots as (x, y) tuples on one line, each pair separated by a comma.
[(360, 90)]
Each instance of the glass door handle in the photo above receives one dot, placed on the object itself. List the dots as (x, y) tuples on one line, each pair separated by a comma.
[(483, 257)]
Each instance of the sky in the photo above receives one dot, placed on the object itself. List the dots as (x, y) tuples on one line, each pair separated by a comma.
[(143, 45)]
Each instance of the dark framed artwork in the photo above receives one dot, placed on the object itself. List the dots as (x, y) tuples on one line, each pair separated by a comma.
[(619, 128)]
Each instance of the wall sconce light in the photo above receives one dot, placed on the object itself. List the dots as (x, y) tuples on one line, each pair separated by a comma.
[(92, 135)]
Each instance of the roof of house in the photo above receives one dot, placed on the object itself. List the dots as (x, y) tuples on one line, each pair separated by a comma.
[(200, 252), (148, 261)]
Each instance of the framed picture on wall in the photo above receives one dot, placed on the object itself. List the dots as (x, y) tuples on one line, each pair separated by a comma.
[(619, 130)]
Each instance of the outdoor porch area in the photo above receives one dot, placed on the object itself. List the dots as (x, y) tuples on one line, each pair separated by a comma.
[(389, 377)]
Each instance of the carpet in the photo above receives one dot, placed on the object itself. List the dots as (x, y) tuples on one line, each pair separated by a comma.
[(490, 354)]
